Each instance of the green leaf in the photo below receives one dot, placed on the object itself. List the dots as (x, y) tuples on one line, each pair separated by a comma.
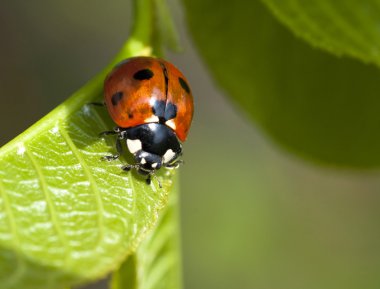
[(341, 27), (156, 264), (66, 217), (321, 107)]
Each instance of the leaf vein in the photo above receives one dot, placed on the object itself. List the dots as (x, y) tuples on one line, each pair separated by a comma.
[(92, 181), (50, 204), (342, 24), (16, 244)]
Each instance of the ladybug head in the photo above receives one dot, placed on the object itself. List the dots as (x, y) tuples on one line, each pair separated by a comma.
[(147, 162)]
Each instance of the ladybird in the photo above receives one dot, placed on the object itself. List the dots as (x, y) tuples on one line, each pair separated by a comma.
[(151, 103)]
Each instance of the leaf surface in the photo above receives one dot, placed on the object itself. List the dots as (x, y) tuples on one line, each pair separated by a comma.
[(156, 263), (341, 27), (318, 106)]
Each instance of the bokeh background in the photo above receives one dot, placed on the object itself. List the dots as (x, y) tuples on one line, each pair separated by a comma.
[(253, 215)]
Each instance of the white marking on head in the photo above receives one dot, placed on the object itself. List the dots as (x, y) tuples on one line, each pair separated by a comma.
[(170, 123), (134, 145), (168, 156), (154, 165), (153, 118), (143, 161)]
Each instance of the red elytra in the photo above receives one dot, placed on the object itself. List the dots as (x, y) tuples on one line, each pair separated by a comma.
[(146, 90)]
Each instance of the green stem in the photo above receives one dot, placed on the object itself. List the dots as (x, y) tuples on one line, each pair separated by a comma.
[(142, 30)]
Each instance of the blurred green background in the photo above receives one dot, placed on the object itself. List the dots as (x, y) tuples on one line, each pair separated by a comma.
[(253, 216)]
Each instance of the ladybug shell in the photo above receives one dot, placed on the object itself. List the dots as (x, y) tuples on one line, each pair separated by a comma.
[(146, 90)]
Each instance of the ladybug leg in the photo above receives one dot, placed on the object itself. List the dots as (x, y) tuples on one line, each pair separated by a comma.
[(97, 103), (116, 130), (149, 179), (175, 165), (127, 168), (119, 150), (110, 158), (107, 132)]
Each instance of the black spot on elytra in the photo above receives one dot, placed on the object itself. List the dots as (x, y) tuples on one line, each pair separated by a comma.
[(158, 108), (130, 115), (184, 84), (116, 97), (164, 111), (143, 74), (170, 111)]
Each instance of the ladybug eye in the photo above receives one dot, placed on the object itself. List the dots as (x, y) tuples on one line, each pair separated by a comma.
[(184, 84), (143, 74)]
